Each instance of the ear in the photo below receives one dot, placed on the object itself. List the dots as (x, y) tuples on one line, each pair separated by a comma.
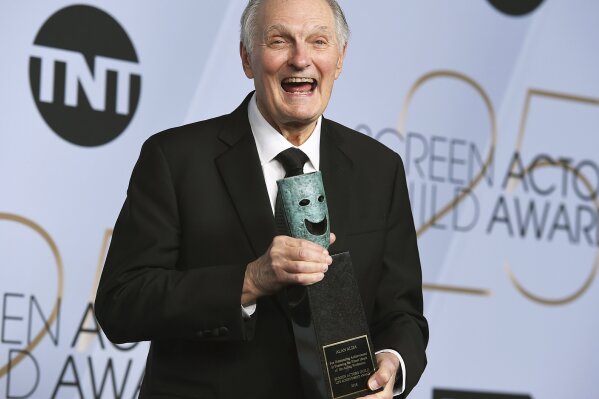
[(339, 66), (246, 61)]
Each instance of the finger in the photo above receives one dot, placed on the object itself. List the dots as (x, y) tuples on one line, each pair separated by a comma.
[(296, 249), (386, 393), (306, 267), (310, 254), (305, 278), (333, 238), (301, 243), (382, 376)]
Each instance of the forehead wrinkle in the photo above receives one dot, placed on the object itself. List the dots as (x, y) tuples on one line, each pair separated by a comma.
[(322, 28), (283, 29)]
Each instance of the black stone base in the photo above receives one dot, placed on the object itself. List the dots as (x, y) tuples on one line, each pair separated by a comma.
[(331, 334)]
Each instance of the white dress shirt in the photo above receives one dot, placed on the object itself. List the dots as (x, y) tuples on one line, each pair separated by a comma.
[(270, 143)]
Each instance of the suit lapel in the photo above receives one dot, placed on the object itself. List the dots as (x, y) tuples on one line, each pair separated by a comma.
[(336, 169), (242, 174)]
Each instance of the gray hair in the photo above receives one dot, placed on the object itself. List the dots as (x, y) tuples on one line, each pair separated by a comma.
[(249, 24)]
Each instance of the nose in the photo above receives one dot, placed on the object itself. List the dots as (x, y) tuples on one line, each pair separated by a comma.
[(299, 57)]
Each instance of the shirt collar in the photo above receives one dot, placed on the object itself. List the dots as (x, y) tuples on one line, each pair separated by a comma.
[(270, 142)]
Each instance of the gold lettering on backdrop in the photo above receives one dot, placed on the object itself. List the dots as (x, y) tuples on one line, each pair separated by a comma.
[(567, 168), (13, 362), (453, 203), (86, 340)]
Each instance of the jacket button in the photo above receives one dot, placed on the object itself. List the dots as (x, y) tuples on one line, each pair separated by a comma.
[(223, 331), (200, 334)]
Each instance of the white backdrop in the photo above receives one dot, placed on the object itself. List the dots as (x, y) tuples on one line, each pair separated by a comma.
[(496, 117)]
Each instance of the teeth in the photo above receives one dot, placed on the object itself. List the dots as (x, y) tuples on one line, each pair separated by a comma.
[(298, 80)]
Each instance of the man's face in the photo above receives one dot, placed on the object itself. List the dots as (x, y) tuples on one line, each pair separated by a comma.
[(295, 60)]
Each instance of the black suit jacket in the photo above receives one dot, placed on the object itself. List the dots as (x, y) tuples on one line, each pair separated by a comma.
[(197, 212)]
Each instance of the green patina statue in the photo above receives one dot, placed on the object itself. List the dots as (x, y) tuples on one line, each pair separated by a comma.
[(305, 210)]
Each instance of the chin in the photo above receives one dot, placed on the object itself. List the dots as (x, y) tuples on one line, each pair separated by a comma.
[(301, 120), (304, 115)]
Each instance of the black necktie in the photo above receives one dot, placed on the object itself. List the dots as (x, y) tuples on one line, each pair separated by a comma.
[(293, 160)]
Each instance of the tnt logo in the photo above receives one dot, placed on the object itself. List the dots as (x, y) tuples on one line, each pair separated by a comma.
[(516, 8), (85, 76)]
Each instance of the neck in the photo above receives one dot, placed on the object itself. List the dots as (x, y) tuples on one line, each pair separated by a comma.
[(296, 135), (295, 132)]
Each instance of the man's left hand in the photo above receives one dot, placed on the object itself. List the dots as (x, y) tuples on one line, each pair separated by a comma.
[(388, 364)]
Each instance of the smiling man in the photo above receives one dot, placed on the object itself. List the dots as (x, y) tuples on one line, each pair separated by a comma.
[(294, 58), (194, 265)]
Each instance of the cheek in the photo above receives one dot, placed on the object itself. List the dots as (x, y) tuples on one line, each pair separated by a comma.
[(328, 64), (270, 65), (269, 79)]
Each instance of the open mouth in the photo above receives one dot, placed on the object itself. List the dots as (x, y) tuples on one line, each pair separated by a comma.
[(299, 85), (318, 228)]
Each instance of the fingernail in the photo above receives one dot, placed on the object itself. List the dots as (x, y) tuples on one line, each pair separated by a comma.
[(326, 268), (373, 385), (325, 252), (329, 260)]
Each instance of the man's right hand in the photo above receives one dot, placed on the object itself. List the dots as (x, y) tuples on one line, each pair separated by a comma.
[(287, 261)]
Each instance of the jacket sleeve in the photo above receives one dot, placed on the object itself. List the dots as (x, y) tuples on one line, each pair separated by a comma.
[(398, 321), (143, 293)]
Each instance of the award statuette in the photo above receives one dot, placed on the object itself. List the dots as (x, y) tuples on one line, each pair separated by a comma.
[(331, 333)]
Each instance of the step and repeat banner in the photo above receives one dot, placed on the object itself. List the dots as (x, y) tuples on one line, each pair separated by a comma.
[(493, 106)]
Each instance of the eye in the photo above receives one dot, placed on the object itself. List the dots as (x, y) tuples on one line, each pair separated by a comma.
[(320, 43), (276, 42), (304, 202), (321, 198)]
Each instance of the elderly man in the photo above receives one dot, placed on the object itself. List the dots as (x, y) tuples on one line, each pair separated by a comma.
[(194, 263)]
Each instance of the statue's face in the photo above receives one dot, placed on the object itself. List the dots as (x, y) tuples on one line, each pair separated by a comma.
[(306, 207)]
